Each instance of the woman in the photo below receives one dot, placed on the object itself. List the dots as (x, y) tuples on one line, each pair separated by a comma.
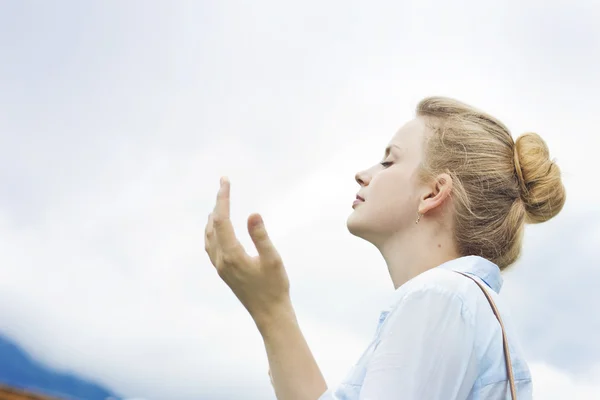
[(446, 208)]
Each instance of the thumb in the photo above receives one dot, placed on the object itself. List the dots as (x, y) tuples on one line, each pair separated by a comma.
[(260, 237)]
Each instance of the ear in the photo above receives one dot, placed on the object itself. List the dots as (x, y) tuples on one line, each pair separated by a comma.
[(439, 191)]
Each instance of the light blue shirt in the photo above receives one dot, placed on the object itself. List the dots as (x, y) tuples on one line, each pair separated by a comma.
[(440, 340)]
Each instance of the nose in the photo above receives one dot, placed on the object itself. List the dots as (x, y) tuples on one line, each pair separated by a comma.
[(362, 178)]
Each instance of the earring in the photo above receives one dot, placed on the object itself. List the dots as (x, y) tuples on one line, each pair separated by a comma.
[(418, 218)]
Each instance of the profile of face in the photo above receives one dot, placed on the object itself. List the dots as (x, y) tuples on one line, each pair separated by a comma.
[(391, 189)]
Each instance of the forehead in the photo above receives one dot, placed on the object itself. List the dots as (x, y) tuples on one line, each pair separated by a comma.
[(409, 137)]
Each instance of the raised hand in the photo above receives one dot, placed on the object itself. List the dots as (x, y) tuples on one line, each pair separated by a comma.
[(260, 283)]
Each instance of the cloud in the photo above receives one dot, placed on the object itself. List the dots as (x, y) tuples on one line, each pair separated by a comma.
[(554, 278), (551, 383)]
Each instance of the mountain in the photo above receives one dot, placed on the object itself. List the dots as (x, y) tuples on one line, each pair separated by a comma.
[(18, 369)]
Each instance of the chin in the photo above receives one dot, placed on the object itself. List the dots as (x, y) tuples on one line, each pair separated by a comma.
[(367, 229), (356, 226)]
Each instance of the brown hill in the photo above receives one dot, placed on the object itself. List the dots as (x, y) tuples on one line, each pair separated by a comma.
[(10, 393)]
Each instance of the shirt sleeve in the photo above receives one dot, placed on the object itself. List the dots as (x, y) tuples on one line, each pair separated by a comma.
[(426, 351)]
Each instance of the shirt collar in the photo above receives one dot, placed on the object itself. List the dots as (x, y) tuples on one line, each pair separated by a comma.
[(484, 269), (477, 266)]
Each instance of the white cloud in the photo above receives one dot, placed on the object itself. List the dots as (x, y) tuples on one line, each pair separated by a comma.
[(551, 383)]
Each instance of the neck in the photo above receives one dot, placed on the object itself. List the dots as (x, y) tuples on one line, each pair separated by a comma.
[(416, 252)]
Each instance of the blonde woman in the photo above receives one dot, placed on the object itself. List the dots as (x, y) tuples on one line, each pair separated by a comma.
[(446, 207)]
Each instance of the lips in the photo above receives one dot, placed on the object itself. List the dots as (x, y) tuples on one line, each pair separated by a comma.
[(358, 201)]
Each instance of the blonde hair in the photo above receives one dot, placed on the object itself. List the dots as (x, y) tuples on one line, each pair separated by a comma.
[(498, 184)]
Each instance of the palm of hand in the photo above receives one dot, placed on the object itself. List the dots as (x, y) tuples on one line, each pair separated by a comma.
[(260, 282)]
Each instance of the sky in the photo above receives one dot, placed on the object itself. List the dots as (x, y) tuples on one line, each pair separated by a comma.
[(118, 118)]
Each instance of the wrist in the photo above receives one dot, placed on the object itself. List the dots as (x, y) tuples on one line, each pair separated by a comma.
[(276, 317)]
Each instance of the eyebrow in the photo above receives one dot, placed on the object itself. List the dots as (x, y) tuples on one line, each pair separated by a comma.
[(387, 149)]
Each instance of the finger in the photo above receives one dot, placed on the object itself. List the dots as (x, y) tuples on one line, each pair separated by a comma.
[(221, 223), (210, 241), (209, 232), (260, 237)]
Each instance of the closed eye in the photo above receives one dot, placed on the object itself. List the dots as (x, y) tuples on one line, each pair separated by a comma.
[(386, 164)]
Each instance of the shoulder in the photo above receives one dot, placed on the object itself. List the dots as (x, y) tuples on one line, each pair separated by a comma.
[(439, 288), (440, 282)]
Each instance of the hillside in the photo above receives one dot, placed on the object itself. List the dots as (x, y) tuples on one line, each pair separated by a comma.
[(19, 370)]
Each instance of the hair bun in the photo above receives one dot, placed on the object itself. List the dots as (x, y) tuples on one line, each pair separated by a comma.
[(542, 189)]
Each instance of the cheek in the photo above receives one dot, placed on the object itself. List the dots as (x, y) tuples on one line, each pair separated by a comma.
[(386, 208), (396, 198), (393, 187)]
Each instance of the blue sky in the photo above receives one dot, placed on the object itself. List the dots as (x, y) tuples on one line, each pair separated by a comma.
[(118, 118)]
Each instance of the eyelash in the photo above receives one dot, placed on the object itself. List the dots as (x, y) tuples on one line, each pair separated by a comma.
[(386, 164)]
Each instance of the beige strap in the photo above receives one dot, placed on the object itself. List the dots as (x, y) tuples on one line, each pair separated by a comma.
[(509, 370)]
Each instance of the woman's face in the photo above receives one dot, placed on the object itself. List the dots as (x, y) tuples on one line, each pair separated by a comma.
[(391, 189)]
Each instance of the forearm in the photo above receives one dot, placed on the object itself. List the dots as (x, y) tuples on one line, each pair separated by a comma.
[(294, 372)]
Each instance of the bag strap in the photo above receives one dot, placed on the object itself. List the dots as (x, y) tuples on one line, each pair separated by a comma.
[(509, 370)]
